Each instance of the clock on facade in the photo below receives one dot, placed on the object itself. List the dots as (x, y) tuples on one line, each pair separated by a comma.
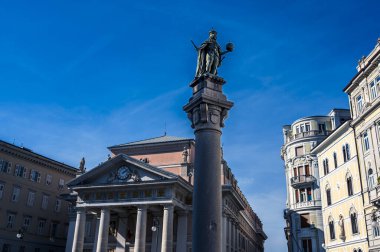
[(123, 172)]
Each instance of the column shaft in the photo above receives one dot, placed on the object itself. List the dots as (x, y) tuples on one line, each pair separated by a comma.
[(102, 245), (167, 229), (121, 234), (140, 236), (79, 231), (182, 232)]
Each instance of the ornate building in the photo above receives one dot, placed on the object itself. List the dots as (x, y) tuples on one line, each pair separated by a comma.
[(304, 227), (33, 216), (141, 200), (364, 92)]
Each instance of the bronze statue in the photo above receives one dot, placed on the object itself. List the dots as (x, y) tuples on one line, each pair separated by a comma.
[(82, 169), (210, 55)]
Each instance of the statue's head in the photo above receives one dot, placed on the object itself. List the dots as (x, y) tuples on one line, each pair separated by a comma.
[(212, 34)]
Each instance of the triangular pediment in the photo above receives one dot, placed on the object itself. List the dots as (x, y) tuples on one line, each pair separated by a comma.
[(121, 169)]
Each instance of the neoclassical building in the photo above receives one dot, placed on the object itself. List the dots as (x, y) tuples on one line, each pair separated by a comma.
[(141, 200), (33, 215), (303, 215), (364, 97)]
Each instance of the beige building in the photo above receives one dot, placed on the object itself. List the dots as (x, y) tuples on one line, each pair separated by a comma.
[(33, 216), (341, 192), (141, 200), (303, 215), (364, 92)]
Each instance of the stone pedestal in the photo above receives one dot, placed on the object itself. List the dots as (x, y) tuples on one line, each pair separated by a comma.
[(207, 109)]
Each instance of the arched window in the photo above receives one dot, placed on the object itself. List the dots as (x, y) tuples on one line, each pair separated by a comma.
[(365, 141), (371, 177), (328, 195), (331, 228), (335, 160), (350, 190), (354, 221)]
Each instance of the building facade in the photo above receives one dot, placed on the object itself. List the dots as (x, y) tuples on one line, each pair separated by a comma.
[(141, 200), (303, 215), (33, 216), (363, 92), (341, 192)]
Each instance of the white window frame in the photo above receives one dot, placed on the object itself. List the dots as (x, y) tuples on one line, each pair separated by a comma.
[(31, 198), (35, 176), (10, 220), (45, 202), (373, 89), (26, 222), (49, 178), (41, 226), (15, 194), (2, 185), (371, 179), (61, 183), (58, 204), (359, 103)]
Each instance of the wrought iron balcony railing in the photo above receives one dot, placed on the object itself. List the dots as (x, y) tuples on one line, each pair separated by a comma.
[(309, 133), (302, 180)]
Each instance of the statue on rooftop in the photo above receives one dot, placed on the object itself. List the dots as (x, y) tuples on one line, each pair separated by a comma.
[(210, 55), (82, 169)]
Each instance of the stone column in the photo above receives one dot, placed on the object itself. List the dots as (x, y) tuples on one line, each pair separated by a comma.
[(71, 231), (140, 235), (182, 231), (121, 234), (167, 229), (103, 230), (207, 110), (79, 230), (224, 233), (97, 219)]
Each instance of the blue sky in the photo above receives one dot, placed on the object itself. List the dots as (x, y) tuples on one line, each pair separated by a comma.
[(78, 76)]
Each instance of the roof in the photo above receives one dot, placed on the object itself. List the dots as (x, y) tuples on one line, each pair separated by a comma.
[(154, 140)]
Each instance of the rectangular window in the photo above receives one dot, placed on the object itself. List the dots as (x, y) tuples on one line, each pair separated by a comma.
[(31, 198), (35, 176), (332, 230), (295, 173), (61, 183), (297, 196), (302, 127), (41, 226), (1, 190), (299, 151), (45, 202), (5, 166), (373, 90), (15, 194), (306, 245), (26, 223), (366, 141), (307, 127), (20, 171), (303, 195), (11, 220), (307, 170), (53, 229), (298, 130), (322, 127), (359, 103), (309, 195), (305, 220), (48, 179), (57, 205), (328, 196)]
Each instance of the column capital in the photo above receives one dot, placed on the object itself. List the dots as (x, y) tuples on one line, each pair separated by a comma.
[(142, 207), (168, 206)]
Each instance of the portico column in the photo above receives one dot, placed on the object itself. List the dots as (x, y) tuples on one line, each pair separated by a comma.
[(103, 230), (121, 234), (140, 229), (79, 230), (167, 229), (97, 219), (182, 231), (224, 233)]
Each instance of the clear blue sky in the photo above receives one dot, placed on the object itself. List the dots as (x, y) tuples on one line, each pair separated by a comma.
[(78, 76)]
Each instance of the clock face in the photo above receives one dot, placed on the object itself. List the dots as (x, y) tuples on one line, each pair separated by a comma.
[(123, 172)]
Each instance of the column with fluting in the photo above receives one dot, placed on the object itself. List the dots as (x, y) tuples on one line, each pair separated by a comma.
[(104, 223), (207, 110), (167, 229), (140, 229), (79, 230)]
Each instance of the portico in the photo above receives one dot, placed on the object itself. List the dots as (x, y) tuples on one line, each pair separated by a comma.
[(137, 214)]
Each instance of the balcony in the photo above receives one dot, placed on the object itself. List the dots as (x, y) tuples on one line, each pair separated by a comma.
[(374, 196), (306, 204), (310, 133), (302, 180)]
